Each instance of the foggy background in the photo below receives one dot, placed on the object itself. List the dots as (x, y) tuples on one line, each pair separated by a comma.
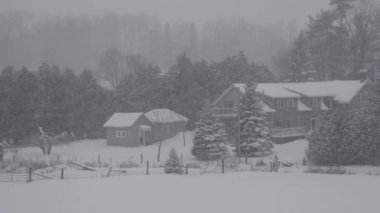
[(75, 33)]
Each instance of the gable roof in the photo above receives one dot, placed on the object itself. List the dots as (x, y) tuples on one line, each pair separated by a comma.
[(164, 116), (341, 91), (123, 119)]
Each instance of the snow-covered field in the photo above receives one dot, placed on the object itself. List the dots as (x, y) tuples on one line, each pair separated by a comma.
[(89, 150), (233, 192)]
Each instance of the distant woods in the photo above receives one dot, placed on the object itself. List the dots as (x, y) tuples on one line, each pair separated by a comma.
[(338, 43), (62, 101), (79, 42)]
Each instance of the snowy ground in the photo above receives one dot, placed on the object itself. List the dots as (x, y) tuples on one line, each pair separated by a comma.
[(234, 192), (89, 150)]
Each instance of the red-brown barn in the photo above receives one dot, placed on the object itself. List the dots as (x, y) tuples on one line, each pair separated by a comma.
[(140, 129)]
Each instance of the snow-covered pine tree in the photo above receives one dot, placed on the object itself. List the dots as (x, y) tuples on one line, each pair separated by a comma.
[(173, 165), (210, 138), (254, 126)]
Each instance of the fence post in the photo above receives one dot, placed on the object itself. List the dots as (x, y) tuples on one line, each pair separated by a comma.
[(109, 172), (246, 159), (184, 138), (223, 166), (62, 170), (99, 160), (147, 167), (30, 175), (141, 158)]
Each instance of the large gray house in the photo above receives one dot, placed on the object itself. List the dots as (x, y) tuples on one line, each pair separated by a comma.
[(293, 108), (140, 129)]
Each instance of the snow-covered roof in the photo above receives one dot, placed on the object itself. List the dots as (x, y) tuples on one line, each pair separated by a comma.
[(164, 116), (341, 91), (302, 107), (267, 108), (324, 107), (123, 119), (274, 90)]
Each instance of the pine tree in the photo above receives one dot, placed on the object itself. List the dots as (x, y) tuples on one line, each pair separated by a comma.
[(173, 165), (210, 139), (254, 127), (299, 59)]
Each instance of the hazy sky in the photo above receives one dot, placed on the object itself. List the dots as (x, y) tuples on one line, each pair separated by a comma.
[(260, 11)]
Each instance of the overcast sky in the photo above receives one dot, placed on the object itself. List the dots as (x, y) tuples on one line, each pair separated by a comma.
[(260, 11)]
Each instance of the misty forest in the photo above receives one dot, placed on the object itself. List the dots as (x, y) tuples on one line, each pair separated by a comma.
[(77, 69)]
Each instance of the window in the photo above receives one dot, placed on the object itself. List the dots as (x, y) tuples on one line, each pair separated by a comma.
[(228, 104), (280, 103), (315, 102), (121, 134), (290, 103), (278, 124)]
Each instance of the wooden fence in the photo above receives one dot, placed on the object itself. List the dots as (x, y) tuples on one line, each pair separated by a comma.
[(15, 176)]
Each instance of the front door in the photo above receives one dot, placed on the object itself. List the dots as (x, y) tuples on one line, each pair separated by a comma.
[(144, 135)]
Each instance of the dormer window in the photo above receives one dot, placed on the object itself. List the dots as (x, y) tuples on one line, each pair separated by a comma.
[(315, 102)]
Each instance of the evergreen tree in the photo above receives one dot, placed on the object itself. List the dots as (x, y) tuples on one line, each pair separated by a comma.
[(347, 136), (210, 139), (173, 165), (324, 140), (299, 59), (254, 127)]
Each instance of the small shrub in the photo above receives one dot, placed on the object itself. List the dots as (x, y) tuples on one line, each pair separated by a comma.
[(35, 165), (336, 171), (230, 163), (330, 170), (173, 165), (317, 170), (261, 163)]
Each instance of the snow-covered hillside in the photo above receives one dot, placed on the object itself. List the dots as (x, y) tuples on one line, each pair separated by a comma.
[(234, 192)]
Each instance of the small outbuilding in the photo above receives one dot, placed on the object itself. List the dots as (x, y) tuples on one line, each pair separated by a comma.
[(140, 129)]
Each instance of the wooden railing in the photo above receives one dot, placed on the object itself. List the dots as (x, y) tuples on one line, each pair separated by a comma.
[(288, 132), (225, 111)]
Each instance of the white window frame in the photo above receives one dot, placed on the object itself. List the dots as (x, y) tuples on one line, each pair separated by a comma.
[(121, 133)]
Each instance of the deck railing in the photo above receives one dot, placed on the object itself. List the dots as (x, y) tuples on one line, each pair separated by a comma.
[(225, 111), (288, 132)]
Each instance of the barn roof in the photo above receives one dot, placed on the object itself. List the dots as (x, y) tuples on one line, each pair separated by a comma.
[(164, 116), (123, 119)]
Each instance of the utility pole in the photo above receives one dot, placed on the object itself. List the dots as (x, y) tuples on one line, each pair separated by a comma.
[(238, 126)]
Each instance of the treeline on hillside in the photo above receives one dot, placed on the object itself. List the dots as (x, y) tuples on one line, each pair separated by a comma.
[(77, 41), (337, 43), (61, 101)]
